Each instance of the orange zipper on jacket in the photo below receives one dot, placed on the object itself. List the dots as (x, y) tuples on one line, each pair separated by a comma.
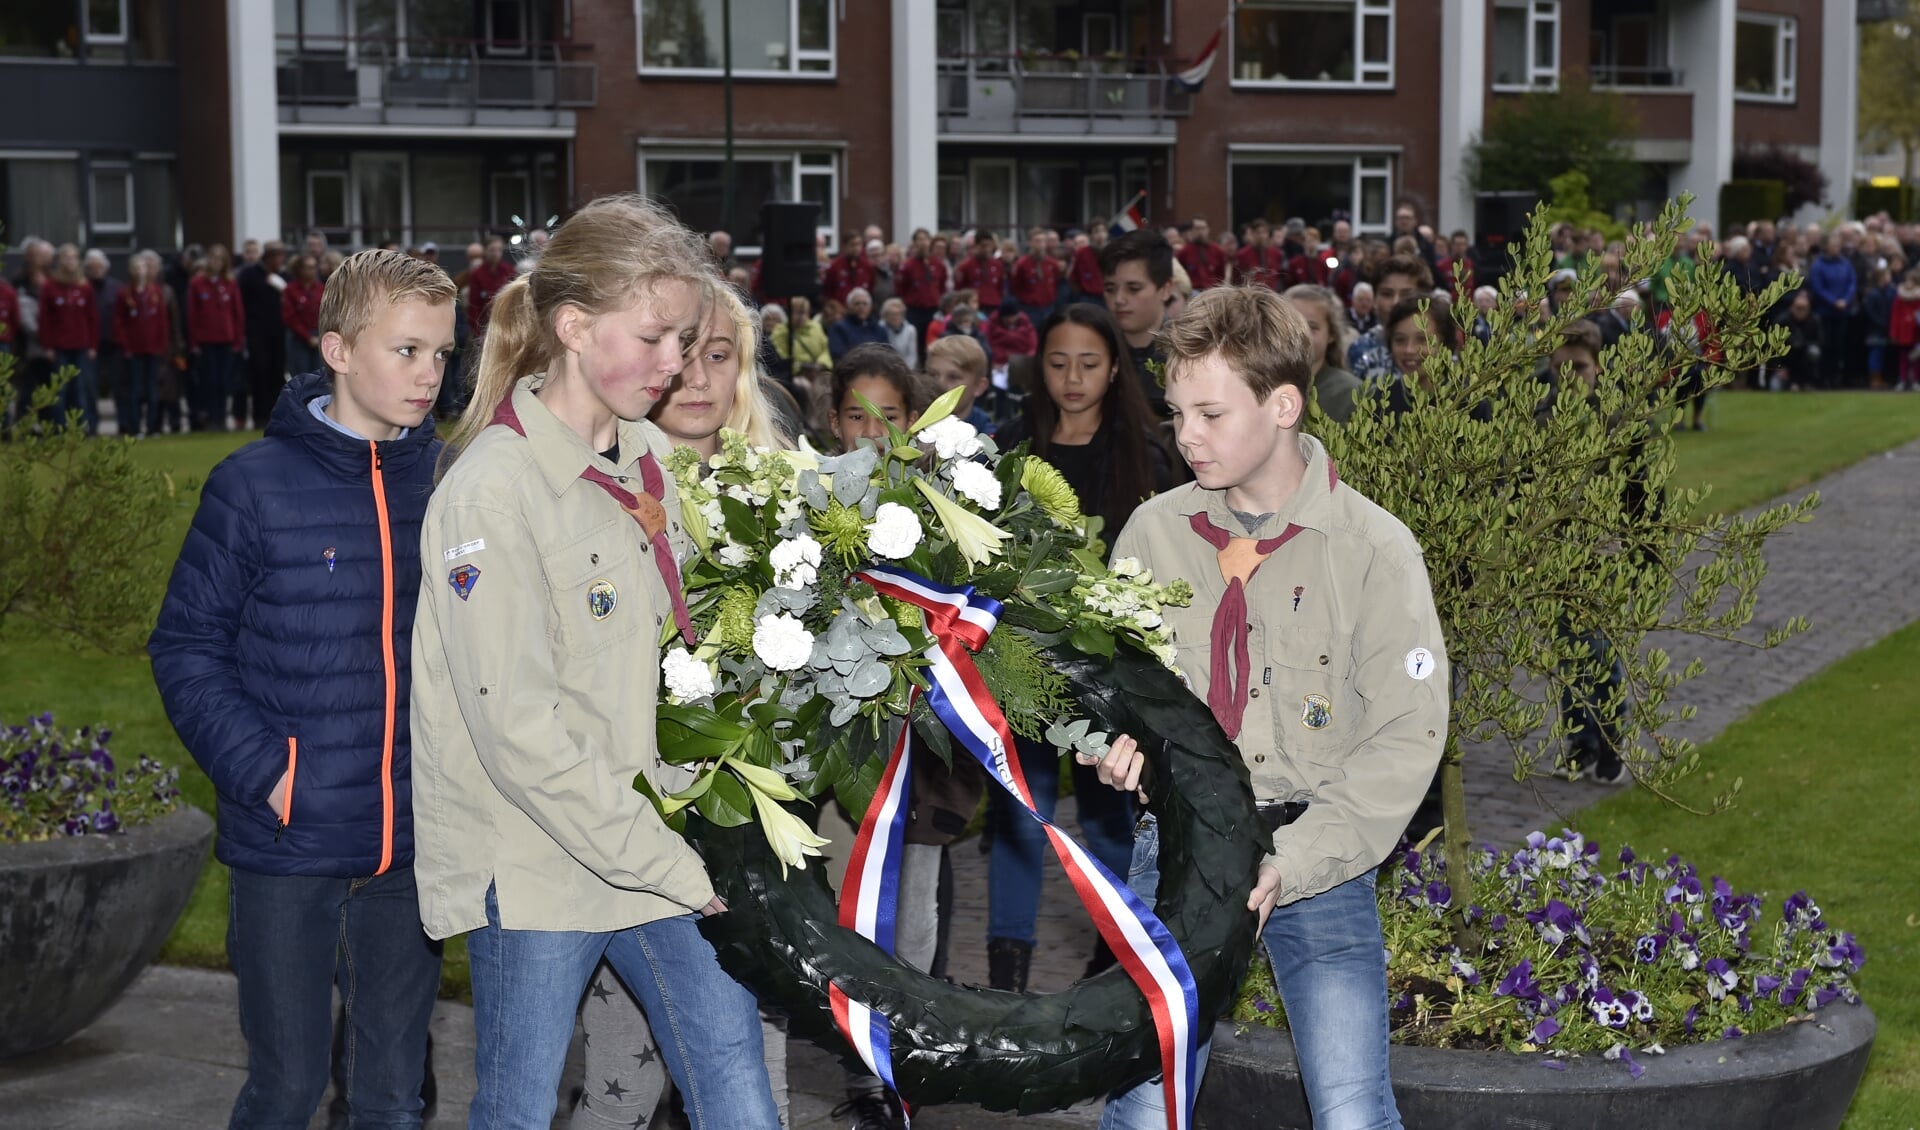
[(286, 799), (386, 656)]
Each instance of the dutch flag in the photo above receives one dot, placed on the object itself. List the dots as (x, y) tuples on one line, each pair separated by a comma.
[(1131, 218), (1191, 79)]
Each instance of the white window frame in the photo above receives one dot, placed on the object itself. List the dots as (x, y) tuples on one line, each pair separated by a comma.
[(109, 168), (801, 161), (94, 38), (358, 163), (494, 41), (795, 54), (1786, 48), (1366, 75), (494, 180), (1541, 74), (1366, 164)]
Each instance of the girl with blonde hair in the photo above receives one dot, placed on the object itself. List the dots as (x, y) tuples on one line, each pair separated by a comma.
[(1333, 388), (537, 670)]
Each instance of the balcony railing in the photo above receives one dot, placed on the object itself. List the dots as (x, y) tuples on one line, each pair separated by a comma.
[(439, 75), (1059, 95), (1637, 77)]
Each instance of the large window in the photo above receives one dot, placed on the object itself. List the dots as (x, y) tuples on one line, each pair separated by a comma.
[(1526, 45), (1316, 187), (1629, 48), (112, 197), (41, 196), (694, 184), (1763, 57), (770, 37), (1313, 42)]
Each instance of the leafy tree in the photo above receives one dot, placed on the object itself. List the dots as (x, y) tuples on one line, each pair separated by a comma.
[(1528, 503), (86, 533), (1804, 182), (1529, 139), (1571, 205), (1890, 84)]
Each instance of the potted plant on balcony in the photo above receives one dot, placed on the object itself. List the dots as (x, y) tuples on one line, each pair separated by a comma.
[(1557, 550)]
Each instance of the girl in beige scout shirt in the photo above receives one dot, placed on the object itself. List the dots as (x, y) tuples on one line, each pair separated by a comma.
[(550, 573), (1313, 638)]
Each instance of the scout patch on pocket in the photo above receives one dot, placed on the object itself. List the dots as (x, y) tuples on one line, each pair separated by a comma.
[(463, 578), (601, 599), (1316, 713)]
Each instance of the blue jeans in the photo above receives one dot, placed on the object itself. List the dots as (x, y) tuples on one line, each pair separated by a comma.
[(143, 394), (291, 939), (1020, 843), (301, 357), (1331, 967), (527, 986), (83, 391), (212, 386)]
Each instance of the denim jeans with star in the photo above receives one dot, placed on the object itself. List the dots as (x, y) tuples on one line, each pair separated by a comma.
[(527, 985), (1331, 967)]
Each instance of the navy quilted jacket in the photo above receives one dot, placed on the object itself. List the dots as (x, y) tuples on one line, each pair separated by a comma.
[(283, 643)]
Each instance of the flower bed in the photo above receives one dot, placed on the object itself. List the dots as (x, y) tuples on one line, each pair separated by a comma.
[(65, 783), (1573, 955)]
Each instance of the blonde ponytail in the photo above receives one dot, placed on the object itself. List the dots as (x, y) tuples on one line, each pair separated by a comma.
[(752, 415), (607, 254)]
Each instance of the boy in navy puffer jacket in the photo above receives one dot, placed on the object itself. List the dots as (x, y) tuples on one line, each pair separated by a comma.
[(282, 657)]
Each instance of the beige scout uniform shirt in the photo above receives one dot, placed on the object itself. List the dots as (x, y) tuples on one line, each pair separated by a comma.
[(534, 694), (1348, 698)]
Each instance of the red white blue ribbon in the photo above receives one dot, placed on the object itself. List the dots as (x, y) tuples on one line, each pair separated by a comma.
[(960, 622)]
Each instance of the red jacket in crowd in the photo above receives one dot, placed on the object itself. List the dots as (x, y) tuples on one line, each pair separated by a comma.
[(1036, 280), (849, 271), (1085, 277), (1206, 264), (69, 317), (483, 283), (1902, 328), (9, 312), (300, 308), (1011, 336), (987, 277), (1262, 266), (214, 316), (141, 324), (923, 282)]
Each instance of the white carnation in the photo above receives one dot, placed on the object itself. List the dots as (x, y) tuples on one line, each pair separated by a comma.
[(977, 484), (733, 556), (782, 642), (953, 437), (894, 531), (796, 562), (687, 678)]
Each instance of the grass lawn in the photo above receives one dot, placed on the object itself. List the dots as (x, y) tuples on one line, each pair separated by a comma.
[(1827, 806), (1759, 446)]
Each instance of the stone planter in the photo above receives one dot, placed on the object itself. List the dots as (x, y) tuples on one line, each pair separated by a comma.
[(1800, 1077), (80, 918)]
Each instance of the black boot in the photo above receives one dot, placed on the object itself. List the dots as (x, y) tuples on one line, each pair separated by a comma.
[(1101, 961), (1008, 960)]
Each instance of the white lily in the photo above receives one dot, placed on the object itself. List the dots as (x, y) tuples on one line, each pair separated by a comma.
[(762, 780), (976, 538), (792, 841)]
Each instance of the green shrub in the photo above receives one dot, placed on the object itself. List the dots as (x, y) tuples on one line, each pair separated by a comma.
[(1742, 201)]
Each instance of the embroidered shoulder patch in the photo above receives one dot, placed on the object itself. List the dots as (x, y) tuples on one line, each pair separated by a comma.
[(463, 578), (1419, 663)]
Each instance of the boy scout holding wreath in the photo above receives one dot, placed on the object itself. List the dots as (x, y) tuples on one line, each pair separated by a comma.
[(1312, 636)]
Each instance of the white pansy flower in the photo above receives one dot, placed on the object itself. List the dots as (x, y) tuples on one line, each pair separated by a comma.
[(952, 438), (977, 484), (796, 562), (733, 556), (687, 678), (782, 642), (894, 531)]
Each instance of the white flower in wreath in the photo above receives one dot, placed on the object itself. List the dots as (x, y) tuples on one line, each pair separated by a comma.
[(1126, 566), (976, 484), (894, 531), (782, 642), (790, 510), (687, 678), (952, 438), (733, 556), (796, 562)]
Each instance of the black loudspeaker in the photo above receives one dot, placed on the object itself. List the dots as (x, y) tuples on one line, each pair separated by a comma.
[(787, 264), (1500, 226)]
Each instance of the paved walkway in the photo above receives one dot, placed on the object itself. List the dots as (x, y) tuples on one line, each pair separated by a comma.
[(169, 1055)]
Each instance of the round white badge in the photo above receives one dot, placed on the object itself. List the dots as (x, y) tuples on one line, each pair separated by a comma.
[(1419, 663)]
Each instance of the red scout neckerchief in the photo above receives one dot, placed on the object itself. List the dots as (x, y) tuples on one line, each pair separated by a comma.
[(1240, 558), (646, 509)]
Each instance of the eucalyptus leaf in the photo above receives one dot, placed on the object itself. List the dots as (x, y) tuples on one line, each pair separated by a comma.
[(849, 489), (869, 679)]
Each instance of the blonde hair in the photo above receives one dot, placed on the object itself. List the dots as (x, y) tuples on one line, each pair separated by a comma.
[(1330, 313), (604, 255), (60, 271), (751, 416), (1259, 335), (368, 280), (962, 351)]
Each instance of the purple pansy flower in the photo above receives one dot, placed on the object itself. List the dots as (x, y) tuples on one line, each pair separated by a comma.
[(1721, 979)]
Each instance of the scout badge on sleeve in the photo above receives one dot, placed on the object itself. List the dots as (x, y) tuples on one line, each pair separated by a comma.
[(329, 554), (1419, 663), (463, 578), (601, 598), (1298, 592)]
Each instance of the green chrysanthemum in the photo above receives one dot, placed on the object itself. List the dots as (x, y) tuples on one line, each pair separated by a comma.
[(735, 619), (842, 531), (1051, 493)]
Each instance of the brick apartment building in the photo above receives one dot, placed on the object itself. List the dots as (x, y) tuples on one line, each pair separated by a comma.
[(150, 122)]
